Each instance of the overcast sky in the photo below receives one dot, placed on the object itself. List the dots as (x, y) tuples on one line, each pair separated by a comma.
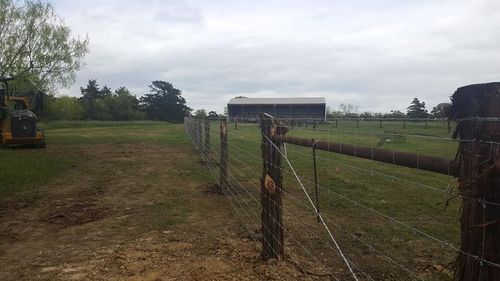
[(374, 54)]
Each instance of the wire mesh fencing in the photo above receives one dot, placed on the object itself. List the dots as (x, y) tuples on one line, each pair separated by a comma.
[(343, 217)]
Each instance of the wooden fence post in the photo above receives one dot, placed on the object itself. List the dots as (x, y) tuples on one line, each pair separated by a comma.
[(207, 137), (476, 107), (236, 122), (199, 133), (271, 189), (404, 123), (315, 173), (223, 154), (380, 123)]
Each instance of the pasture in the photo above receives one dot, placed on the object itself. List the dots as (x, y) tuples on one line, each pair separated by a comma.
[(119, 201), (135, 200)]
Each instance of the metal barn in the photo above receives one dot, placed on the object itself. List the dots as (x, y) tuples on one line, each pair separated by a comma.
[(301, 108)]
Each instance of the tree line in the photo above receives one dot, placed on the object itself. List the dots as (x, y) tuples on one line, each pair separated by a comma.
[(163, 102), (416, 109)]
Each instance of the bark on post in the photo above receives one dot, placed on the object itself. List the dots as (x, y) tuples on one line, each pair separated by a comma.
[(199, 133), (315, 173), (223, 154), (479, 178), (271, 189), (207, 137)]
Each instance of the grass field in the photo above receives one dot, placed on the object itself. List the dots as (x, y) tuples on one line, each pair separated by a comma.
[(120, 201), (23, 170), (357, 196)]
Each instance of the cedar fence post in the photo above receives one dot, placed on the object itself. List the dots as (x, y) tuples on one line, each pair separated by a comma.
[(315, 173), (223, 154), (477, 110), (199, 133), (271, 189), (207, 136)]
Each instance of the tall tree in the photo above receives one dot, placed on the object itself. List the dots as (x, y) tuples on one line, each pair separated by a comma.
[(164, 102), (394, 114), (105, 91), (36, 46), (62, 108), (348, 110), (441, 110), (120, 106), (200, 113), (90, 95), (416, 109)]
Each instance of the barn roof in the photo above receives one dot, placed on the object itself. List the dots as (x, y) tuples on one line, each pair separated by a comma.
[(269, 101)]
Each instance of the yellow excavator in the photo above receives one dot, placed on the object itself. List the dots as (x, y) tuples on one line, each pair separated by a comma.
[(18, 123)]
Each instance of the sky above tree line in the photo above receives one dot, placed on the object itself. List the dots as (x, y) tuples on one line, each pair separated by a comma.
[(377, 55)]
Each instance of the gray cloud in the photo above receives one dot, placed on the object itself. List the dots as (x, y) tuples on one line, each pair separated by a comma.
[(375, 54)]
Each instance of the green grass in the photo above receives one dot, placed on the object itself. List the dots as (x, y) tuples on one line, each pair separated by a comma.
[(22, 170), (114, 132), (64, 124)]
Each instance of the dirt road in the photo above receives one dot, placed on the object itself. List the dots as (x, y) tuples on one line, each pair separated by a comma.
[(131, 212)]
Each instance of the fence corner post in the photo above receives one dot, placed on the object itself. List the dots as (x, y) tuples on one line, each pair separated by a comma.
[(479, 170), (272, 189)]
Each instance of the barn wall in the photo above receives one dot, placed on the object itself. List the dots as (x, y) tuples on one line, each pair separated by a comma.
[(309, 111)]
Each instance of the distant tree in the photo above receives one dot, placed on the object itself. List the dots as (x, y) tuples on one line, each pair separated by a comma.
[(200, 113), (105, 91), (441, 110), (119, 106), (213, 114), (164, 102), (90, 95), (62, 108), (394, 114), (348, 110), (416, 109), (240, 97), (330, 113), (366, 114)]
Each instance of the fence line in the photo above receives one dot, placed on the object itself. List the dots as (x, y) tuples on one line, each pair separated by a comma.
[(242, 174)]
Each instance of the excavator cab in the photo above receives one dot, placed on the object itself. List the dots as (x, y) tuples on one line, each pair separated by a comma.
[(18, 124)]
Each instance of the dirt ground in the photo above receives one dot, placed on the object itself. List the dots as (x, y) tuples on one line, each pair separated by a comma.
[(131, 212)]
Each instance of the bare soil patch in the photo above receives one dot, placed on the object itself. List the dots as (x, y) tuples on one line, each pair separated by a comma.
[(131, 212)]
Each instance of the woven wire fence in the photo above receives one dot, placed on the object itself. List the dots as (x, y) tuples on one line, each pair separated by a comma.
[(347, 218)]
